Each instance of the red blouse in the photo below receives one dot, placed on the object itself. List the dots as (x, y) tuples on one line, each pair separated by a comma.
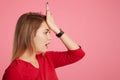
[(22, 70)]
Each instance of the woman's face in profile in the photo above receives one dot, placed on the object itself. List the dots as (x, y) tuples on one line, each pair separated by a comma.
[(42, 38)]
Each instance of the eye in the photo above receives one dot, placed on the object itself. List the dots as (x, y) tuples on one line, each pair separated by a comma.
[(47, 32)]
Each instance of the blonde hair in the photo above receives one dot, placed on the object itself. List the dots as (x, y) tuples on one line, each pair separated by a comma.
[(25, 31)]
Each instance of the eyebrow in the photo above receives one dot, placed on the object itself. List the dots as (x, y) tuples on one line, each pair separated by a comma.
[(48, 30)]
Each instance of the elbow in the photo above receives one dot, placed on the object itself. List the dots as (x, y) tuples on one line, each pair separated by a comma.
[(81, 54), (76, 55)]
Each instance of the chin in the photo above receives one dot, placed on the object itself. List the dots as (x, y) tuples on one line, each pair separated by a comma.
[(42, 52)]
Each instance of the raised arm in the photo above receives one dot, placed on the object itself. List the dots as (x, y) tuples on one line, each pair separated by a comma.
[(68, 42)]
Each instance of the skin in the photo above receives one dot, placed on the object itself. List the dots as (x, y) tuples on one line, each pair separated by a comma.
[(42, 39)]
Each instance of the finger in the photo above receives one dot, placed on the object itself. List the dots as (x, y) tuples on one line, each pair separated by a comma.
[(47, 8)]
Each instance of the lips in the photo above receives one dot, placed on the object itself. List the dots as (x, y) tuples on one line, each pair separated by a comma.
[(46, 44)]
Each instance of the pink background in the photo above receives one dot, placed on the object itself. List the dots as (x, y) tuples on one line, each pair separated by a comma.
[(94, 24)]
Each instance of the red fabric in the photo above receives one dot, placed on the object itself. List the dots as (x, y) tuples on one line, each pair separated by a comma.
[(21, 70)]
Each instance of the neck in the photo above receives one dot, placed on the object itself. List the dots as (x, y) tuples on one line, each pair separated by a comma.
[(30, 57), (27, 56)]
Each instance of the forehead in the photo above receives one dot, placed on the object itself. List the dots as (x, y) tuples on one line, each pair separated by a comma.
[(44, 25)]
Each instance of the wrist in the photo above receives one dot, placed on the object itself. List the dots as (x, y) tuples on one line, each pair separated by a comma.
[(56, 30), (60, 33)]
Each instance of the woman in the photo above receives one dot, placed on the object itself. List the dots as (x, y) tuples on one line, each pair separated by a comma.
[(31, 60)]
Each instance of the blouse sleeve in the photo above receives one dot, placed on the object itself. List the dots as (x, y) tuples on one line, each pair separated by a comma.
[(67, 57), (11, 74)]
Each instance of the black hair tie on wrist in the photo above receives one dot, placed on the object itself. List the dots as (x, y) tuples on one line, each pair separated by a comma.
[(60, 33)]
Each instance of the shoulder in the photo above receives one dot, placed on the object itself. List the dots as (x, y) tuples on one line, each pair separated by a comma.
[(13, 71), (16, 66)]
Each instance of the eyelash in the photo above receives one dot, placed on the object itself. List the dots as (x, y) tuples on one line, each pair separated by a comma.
[(47, 32)]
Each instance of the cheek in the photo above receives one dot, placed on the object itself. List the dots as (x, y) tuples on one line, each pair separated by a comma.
[(39, 41), (40, 44)]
